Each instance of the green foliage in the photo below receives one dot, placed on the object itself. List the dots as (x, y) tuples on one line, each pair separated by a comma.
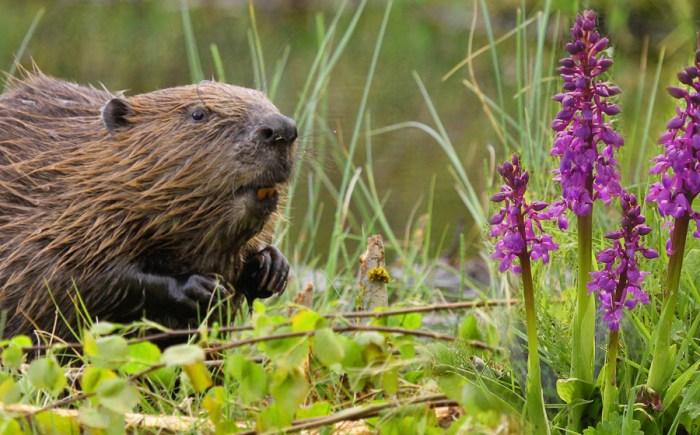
[(252, 379), (54, 424), (615, 425), (328, 348), (106, 352), (10, 391), (117, 395), (298, 365), (46, 374), (12, 354)]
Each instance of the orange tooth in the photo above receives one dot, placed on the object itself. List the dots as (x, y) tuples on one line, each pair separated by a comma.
[(265, 192)]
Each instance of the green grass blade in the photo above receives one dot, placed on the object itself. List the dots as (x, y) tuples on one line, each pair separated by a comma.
[(191, 45), (218, 64), (347, 170), (256, 51), (25, 42)]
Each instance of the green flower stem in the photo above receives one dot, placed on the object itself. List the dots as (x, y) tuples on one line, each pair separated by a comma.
[(583, 328), (610, 386), (661, 364), (535, 399)]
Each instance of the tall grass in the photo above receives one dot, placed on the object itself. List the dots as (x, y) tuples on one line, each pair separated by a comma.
[(530, 117)]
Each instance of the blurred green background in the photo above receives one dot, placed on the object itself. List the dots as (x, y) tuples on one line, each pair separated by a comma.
[(140, 46)]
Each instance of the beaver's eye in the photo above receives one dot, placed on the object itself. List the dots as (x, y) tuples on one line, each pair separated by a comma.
[(198, 115)]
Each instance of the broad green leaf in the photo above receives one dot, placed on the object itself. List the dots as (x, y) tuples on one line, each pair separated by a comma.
[(306, 320), (567, 387), (469, 328), (10, 391), (390, 381), (372, 353), (408, 321), (251, 377), (258, 307), (10, 426), (93, 417), (102, 328), (273, 417), (370, 337), (679, 384), (214, 404), (412, 321), (373, 346), (415, 376), (412, 419), (108, 352), (452, 386), (353, 353), (102, 421), (474, 397), (141, 356), (405, 345), (46, 374), (117, 395), (199, 376), (289, 388), (89, 344), (286, 352), (12, 356), (327, 348), (266, 324), (21, 341), (614, 425), (50, 423), (317, 409), (182, 354), (146, 354), (93, 377)]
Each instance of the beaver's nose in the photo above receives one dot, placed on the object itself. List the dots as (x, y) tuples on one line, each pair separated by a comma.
[(277, 129)]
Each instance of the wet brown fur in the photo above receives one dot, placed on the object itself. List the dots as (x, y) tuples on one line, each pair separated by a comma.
[(79, 204)]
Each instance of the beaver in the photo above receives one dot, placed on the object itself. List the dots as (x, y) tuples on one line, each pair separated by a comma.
[(154, 205)]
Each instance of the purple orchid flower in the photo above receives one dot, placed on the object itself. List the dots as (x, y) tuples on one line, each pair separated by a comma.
[(675, 192), (619, 283), (586, 171), (514, 223)]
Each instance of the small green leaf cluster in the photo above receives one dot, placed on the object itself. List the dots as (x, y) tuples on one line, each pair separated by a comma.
[(286, 371), (311, 370)]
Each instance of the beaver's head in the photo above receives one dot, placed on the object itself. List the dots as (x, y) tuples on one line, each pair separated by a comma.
[(205, 148)]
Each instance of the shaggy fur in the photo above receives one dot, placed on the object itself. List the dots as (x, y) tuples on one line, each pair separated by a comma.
[(97, 188)]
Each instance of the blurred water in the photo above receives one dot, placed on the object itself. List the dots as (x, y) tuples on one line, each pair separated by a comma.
[(139, 46)]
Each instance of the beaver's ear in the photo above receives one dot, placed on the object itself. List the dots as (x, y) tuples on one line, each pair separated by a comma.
[(115, 113)]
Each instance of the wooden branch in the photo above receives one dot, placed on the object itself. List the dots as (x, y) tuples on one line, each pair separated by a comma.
[(344, 421), (348, 315), (340, 418), (148, 422)]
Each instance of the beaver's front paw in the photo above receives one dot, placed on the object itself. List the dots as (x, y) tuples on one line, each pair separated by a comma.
[(193, 295), (264, 274)]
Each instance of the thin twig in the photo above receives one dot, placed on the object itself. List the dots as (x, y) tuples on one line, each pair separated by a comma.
[(170, 423), (348, 315), (347, 328), (425, 308), (254, 340), (358, 413)]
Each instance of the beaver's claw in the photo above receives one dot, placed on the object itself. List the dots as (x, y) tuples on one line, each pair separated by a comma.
[(194, 295), (186, 296), (264, 274)]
